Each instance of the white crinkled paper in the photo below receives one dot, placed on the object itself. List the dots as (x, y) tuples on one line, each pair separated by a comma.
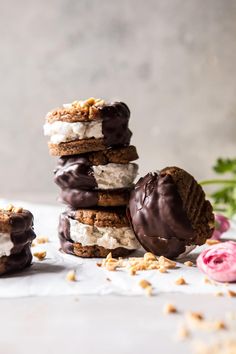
[(48, 277)]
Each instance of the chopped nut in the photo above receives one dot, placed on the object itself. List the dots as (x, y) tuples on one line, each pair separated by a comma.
[(71, 276), (147, 286), (149, 257), (169, 308), (163, 261), (231, 293), (132, 270), (162, 269), (218, 325), (40, 255), (108, 279), (144, 283), (183, 333), (207, 280), (219, 293), (90, 101), (33, 244), (17, 210), (9, 207), (42, 239), (211, 242), (196, 316), (99, 264), (188, 263), (109, 255), (180, 281)]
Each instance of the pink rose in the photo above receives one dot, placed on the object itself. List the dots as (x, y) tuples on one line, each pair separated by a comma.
[(219, 261), (222, 225)]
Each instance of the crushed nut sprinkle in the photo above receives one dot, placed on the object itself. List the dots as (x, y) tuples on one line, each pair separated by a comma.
[(231, 293), (147, 286), (134, 264), (71, 276), (180, 281), (183, 333), (212, 242), (40, 255), (188, 263), (219, 294), (169, 309), (207, 280), (42, 239), (10, 207), (195, 316)]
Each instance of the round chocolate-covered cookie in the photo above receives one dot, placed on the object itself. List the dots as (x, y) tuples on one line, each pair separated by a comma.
[(168, 212)]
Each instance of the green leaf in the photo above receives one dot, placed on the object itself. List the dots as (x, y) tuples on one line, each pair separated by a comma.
[(225, 165)]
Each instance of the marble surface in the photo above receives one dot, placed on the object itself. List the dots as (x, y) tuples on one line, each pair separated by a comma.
[(173, 62)]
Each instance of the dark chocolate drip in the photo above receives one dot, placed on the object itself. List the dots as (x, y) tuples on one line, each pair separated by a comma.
[(79, 198), (74, 172), (21, 239), (21, 221), (157, 215), (115, 121), (64, 234)]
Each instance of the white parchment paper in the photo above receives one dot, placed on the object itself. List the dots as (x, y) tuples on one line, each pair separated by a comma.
[(48, 277)]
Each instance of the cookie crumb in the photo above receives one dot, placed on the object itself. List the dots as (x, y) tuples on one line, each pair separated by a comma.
[(180, 281), (169, 308), (188, 263), (149, 257), (42, 239), (99, 264), (40, 255), (71, 276)]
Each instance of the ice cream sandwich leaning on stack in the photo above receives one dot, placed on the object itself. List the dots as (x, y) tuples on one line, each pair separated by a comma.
[(95, 173), (16, 236)]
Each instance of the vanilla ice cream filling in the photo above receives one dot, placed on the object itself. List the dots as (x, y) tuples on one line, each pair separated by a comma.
[(107, 237), (113, 176), (6, 244), (60, 132)]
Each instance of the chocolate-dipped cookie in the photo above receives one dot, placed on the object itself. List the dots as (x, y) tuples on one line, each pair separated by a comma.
[(168, 212), (16, 235), (107, 169), (85, 126), (95, 233)]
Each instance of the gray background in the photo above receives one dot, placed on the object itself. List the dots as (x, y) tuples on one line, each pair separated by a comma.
[(172, 61)]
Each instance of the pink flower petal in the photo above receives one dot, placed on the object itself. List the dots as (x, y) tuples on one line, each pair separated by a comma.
[(219, 261)]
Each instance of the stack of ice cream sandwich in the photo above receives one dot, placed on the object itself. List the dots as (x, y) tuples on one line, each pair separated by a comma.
[(95, 173)]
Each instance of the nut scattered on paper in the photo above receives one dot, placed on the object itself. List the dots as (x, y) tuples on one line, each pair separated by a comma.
[(169, 308), (71, 276), (40, 255), (134, 264)]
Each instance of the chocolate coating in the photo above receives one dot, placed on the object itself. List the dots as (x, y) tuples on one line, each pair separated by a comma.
[(115, 119), (16, 262), (74, 172), (163, 213)]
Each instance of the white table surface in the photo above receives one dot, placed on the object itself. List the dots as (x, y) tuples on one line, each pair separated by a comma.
[(102, 324), (96, 324)]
